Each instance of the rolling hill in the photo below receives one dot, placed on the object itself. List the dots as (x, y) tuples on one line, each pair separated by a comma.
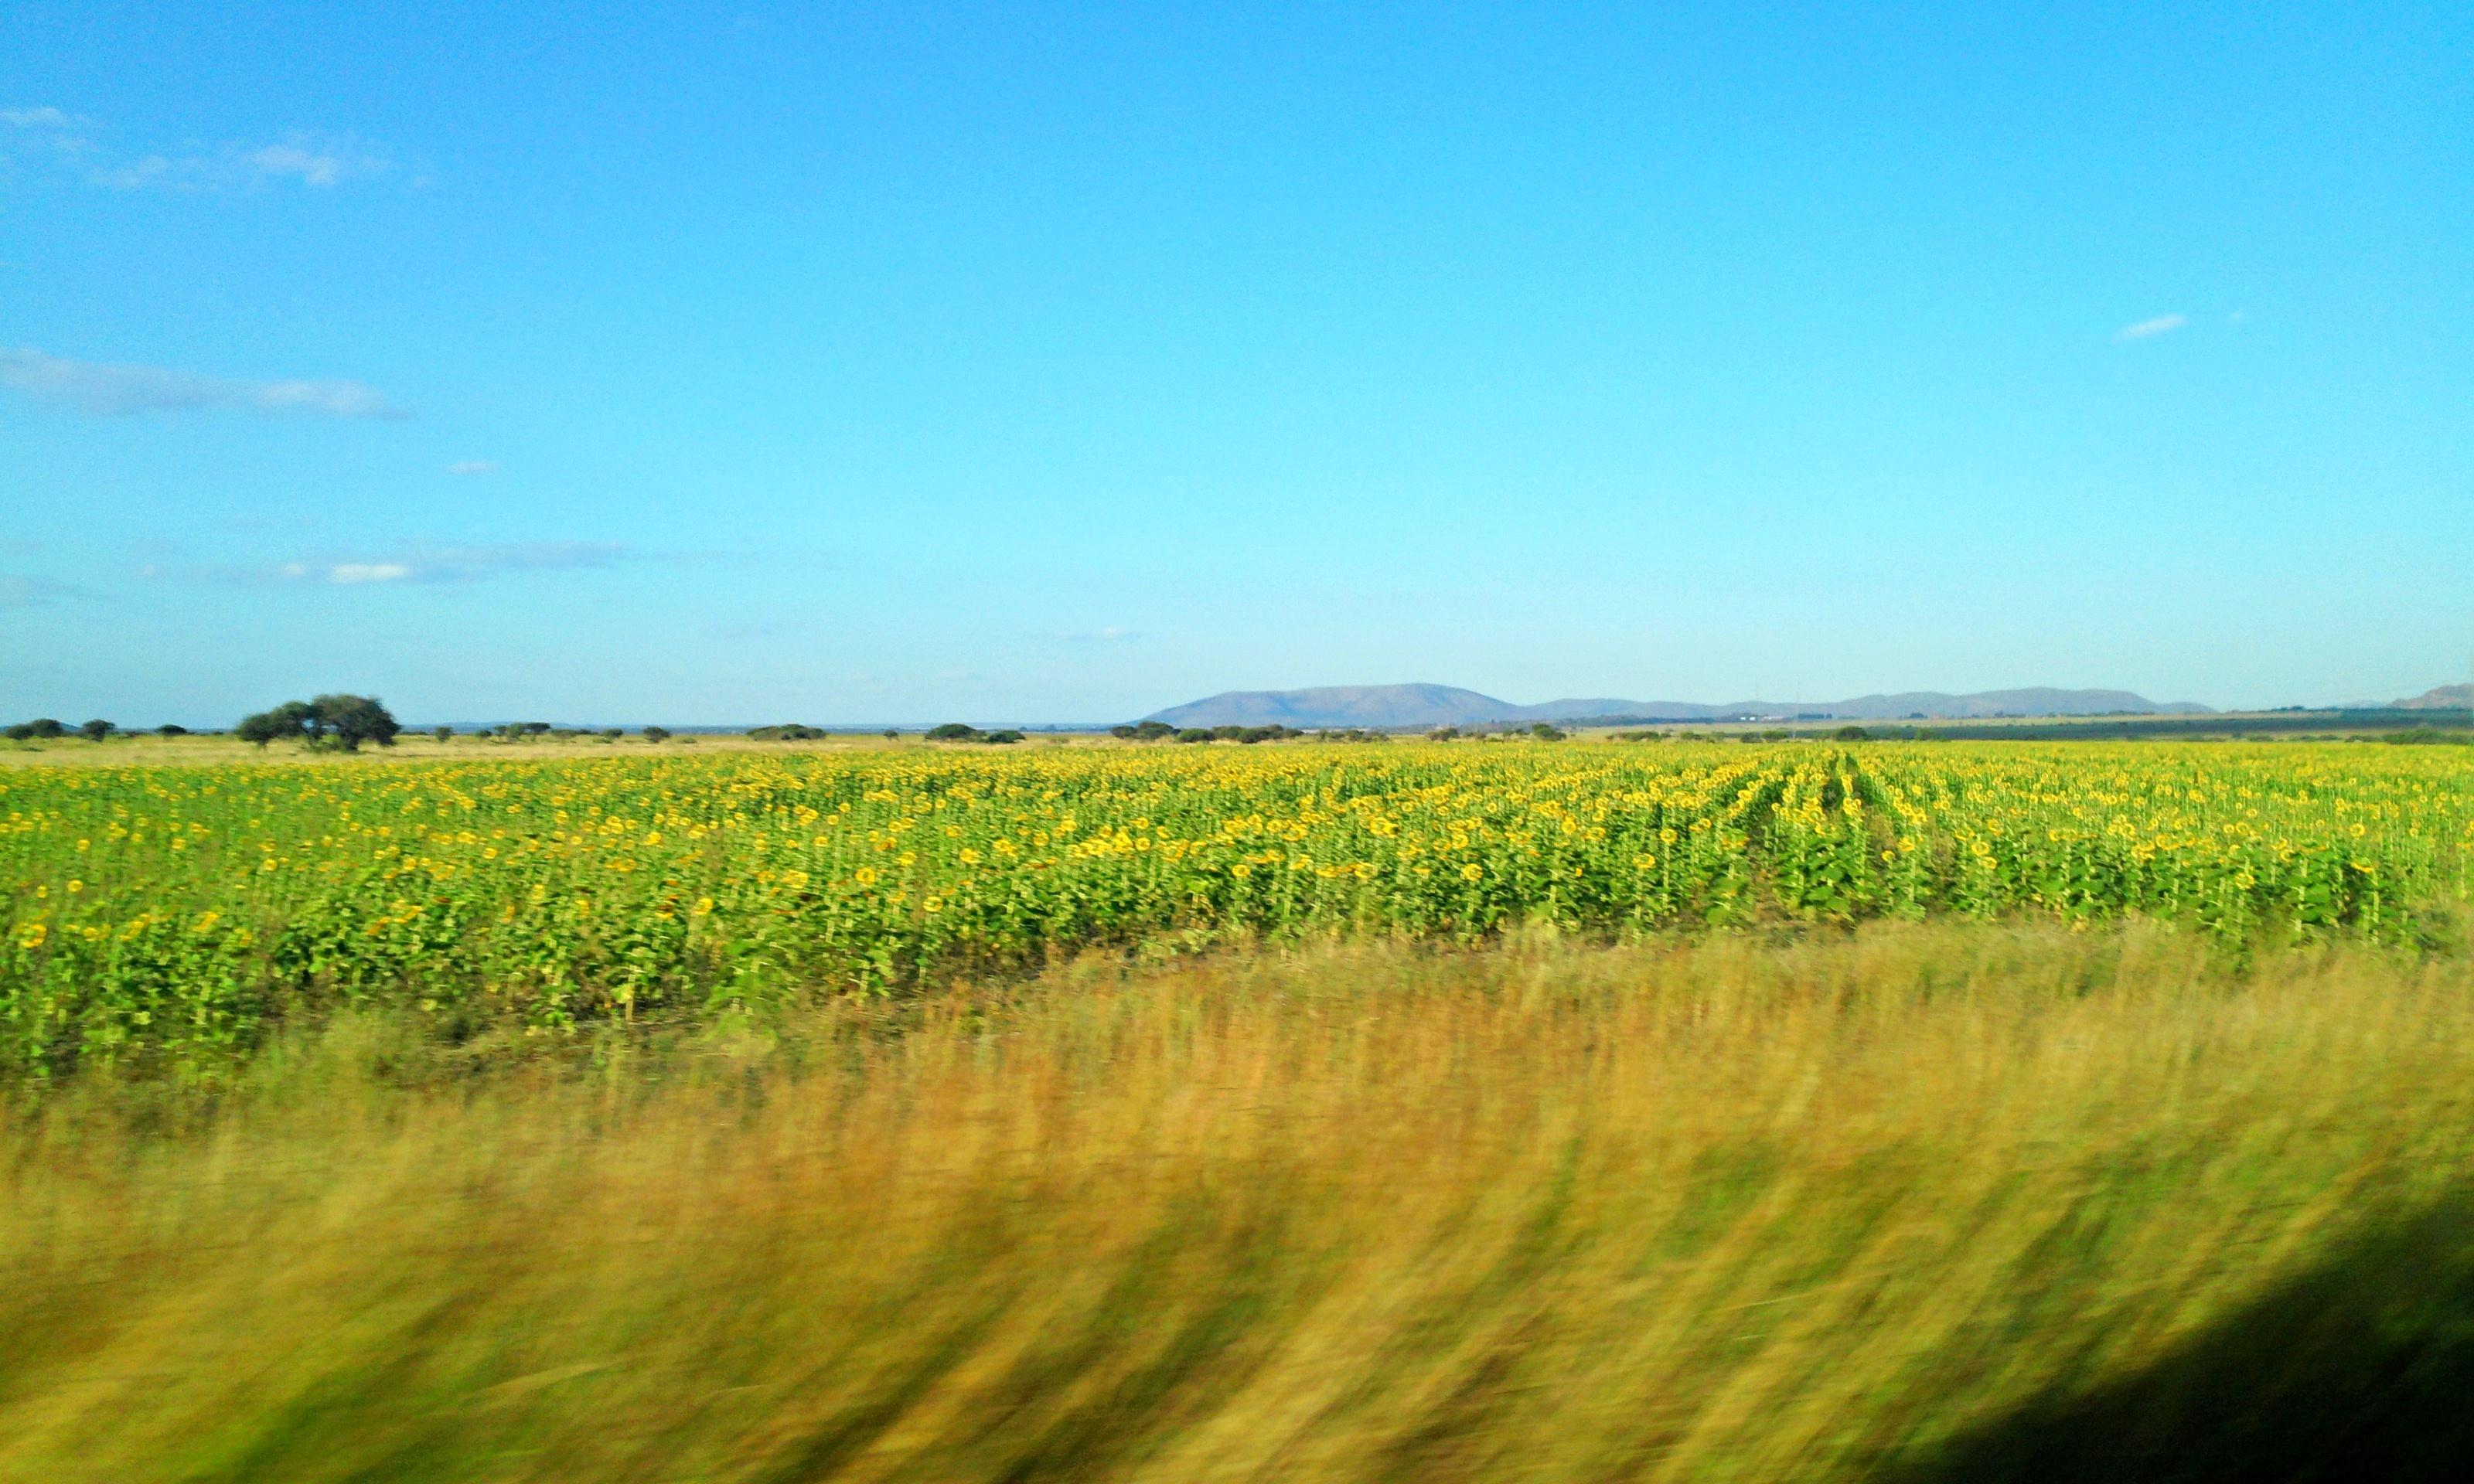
[(1420, 706)]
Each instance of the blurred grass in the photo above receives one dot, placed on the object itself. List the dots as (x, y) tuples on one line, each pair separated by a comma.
[(1878, 1203)]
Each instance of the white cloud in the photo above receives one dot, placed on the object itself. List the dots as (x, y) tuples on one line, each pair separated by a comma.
[(344, 573), (2148, 329), (467, 467), (111, 391), (61, 138), (446, 564), (309, 159)]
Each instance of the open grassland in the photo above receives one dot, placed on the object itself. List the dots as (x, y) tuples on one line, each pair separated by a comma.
[(180, 914), (1917, 1202)]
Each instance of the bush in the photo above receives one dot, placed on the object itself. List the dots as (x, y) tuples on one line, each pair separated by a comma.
[(1851, 735), (1004, 737), (954, 732), (442, 733), (656, 733), (171, 729), (787, 732), (1546, 732)]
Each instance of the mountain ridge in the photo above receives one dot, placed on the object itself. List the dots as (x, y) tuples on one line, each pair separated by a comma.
[(1429, 704)]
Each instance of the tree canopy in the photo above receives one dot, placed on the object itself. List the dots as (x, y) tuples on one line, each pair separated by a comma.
[(340, 722)]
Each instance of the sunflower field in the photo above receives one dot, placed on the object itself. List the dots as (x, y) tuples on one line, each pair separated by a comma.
[(189, 909)]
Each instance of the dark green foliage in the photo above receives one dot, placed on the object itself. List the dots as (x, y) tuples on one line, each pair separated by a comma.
[(338, 721), (787, 732), (442, 734), (349, 721), (954, 732), (1851, 735), (97, 729), (1546, 732), (656, 733)]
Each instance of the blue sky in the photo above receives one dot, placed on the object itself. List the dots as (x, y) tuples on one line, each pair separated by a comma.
[(846, 363)]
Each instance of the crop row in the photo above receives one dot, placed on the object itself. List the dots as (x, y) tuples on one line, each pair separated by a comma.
[(189, 909)]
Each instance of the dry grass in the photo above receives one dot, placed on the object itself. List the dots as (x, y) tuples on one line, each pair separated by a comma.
[(1727, 1212)]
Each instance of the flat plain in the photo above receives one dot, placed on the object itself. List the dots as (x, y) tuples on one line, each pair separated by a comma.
[(1297, 1112)]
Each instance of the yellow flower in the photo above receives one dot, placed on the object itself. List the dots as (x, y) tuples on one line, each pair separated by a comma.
[(1472, 871), (864, 875), (75, 886), (32, 935)]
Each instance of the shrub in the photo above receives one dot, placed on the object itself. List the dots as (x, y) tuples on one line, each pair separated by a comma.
[(656, 733), (1005, 737), (442, 733), (954, 732), (171, 729)]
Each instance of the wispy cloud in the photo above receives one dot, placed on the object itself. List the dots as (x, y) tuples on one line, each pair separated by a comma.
[(309, 160), (18, 590), (117, 391), (70, 143), (38, 118), (470, 466), (2150, 329), (454, 564)]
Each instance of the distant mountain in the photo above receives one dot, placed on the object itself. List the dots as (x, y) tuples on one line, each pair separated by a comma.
[(1405, 706), (1341, 705), (2440, 698)]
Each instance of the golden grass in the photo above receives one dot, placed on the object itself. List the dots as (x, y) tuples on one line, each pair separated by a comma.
[(1736, 1210)]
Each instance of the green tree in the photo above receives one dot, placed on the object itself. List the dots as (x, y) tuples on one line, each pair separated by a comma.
[(171, 729), (1546, 732), (353, 720), (442, 734), (656, 733), (97, 729), (954, 732)]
